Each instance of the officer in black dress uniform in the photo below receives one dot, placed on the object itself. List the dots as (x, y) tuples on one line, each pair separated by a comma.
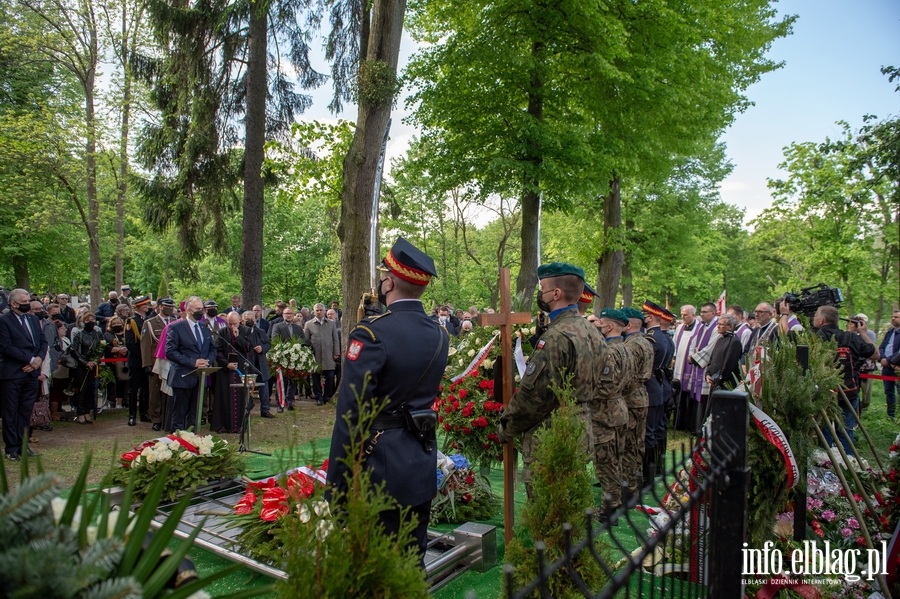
[(659, 387), (138, 383), (404, 353)]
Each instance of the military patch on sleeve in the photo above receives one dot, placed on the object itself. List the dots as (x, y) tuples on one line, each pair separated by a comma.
[(531, 366), (354, 349), (540, 344)]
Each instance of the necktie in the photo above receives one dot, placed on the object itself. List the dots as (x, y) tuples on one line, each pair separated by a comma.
[(24, 322), (198, 335)]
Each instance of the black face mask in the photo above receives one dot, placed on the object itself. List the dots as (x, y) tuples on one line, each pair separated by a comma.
[(117, 329), (212, 312), (89, 326), (20, 308), (41, 315), (168, 310), (382, 297), (113, 301), (541, 304), (197, 316)]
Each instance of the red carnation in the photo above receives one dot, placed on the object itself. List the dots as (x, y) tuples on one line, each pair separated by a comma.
[(470, 480), (467, 497), (467, 412), (446, 426), (455, 405), (440, 418), (494, 437), (449, 409), (483, 384), (466, 430), (861, 541), (463, 393), (451, 398)]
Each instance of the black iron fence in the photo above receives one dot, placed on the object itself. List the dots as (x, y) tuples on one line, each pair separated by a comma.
[(692, 546)]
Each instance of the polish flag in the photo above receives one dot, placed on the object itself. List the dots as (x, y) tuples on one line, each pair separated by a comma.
[(720, 304)]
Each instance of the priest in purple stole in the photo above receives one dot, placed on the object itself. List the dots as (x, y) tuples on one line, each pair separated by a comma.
[(700, 350)]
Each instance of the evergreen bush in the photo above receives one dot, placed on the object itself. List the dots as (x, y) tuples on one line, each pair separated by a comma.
[(561, 493)]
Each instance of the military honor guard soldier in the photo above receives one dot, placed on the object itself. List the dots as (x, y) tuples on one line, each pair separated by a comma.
[(659, 388), (398, 356)]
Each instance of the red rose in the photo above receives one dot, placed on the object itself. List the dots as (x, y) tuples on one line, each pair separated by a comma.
[(440, 418), (489, 405), (861, 541), (486, 445), (455, 405), (446, 426), (482, 421), (463, 393), (490, 393), (483, 384), (467, 497), (454, 445), (245, 505), (475, 374), (466, 430), (449, 409), (467, 412), (494, 437), (451, 398), (470, 480)]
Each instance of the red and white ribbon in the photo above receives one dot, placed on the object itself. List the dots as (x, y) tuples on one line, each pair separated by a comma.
[(773, 433), (477, 360), (279, 387)]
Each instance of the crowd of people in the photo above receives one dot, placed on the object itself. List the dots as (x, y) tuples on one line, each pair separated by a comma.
[(141, 344)]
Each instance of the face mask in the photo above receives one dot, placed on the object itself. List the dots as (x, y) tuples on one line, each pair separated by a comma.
[(212, 312), (113, 301), (56, 317), (42, 315), (541, 304), (118, 329), (168, 310), (19, 308), (89, 326), (382, 297), (445, 319), (197, 316)]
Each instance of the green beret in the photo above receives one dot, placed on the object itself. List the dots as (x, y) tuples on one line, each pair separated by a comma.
[(613, 314), (632, 313), (558, 269)]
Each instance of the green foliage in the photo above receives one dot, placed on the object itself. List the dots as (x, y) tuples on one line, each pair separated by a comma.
[(357, 559), (561, 493), (376, 83), (793, 398), (51, 548)]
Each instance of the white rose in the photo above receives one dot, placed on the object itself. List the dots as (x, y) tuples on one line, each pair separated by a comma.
[(323, 528), (488, 363), (150, 457), (185, 455), (321, 508), (146, 451), (460, 362), (471, 353)]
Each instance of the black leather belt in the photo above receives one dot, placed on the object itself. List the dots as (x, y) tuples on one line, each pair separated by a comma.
[(385, 421)]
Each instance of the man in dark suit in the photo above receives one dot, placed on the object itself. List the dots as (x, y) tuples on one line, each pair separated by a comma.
[(890, 348), (22, 350), (404, 352), (261, 323), (188, 346)]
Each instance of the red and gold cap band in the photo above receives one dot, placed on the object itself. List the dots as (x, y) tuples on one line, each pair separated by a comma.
[(407, 273)]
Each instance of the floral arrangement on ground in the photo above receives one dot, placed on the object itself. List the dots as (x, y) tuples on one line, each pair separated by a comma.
[(463, 495), (468, 414), (192, 461), (294, 358), (262, 511)]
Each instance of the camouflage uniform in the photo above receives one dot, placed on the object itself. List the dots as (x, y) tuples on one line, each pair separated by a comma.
[(635, 393), (569, 345), (609, 417)]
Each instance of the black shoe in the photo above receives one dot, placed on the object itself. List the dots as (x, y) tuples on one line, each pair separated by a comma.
[(157, 426), (280, 410), (319, 402), (291, 408), (202, 421), (131, 421), (13, 457), (32, 454), (266, 415), (146, 418), (44, 427)]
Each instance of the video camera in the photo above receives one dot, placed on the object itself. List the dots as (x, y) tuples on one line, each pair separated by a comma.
[(811, 299)]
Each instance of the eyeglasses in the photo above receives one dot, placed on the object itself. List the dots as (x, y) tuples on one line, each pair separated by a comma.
[(592, 321), (762, 311)]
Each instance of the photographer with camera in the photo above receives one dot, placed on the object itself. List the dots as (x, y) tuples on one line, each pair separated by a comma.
[(851, 350), (787, 321)]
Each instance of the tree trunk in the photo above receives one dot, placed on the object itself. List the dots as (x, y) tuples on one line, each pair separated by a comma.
[(531, 198), (254, 143), (93, 205), (361, 162), (123, 160), (20, 271), (627, 284), (609, 264)]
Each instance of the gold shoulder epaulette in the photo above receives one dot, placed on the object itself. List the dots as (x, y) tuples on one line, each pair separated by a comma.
[(377, 316)]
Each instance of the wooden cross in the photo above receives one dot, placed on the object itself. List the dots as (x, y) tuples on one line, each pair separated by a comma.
[(505, 318)]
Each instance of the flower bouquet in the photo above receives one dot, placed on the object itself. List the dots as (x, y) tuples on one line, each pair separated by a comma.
[(260, 512), (294, 359), (192, 461), (463, 495), (471, 345), (469, 415)]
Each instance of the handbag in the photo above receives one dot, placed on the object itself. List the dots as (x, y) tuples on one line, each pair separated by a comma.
[(67, 360), (40, 414)]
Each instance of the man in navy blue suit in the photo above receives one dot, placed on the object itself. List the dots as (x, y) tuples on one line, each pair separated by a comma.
[(188, 347), (261, 323), (22, 351), (890, 348)]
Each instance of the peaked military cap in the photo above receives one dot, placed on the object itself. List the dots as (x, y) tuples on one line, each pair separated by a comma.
[(630, 312), (409, 263), (558, 269), (126, 288), (657, 310), (166, 301), (144, 299), (613, 314), (210, 304), (587, 296)]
